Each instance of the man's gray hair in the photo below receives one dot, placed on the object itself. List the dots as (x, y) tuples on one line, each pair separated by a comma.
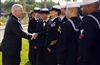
[(16, 7)]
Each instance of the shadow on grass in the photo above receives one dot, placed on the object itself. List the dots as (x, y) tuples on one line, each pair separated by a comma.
[(28, 63)]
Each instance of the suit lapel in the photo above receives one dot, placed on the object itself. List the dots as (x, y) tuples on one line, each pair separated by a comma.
[(17, 21)]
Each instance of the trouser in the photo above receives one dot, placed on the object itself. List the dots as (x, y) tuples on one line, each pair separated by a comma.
[(0, 48), (40, 55), (32, 53), (10, 59), (51, 56)]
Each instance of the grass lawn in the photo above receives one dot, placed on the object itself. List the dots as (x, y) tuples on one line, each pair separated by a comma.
[(24, 53)]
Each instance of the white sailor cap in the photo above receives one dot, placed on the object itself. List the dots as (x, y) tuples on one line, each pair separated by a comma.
[(44, 10), (72, 4), (37, 9), (62, 6), (56, 8), (87, 2)]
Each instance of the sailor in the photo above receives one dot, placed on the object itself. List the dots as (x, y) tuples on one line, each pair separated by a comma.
[(67, 47), (52, 35), (89, 39), (40, 39), (63, 15), (32, 29)]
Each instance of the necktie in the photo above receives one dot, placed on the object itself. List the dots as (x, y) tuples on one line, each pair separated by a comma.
[(45, 23)]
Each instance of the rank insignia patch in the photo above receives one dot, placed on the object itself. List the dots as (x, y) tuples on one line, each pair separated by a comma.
[(53, 24)]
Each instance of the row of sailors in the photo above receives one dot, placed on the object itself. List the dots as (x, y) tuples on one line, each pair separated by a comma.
[(47, 30), (66, 39), (37, 11)]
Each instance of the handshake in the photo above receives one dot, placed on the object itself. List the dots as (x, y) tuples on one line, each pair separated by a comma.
[(34, 36)]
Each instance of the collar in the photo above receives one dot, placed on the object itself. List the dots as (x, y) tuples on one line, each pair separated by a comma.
[(54, 18), (36, 19), (45, 20), (62, 17), (16, 17)]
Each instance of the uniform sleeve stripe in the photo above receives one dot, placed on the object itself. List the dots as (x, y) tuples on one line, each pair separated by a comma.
[(73, 25), (95, 20)]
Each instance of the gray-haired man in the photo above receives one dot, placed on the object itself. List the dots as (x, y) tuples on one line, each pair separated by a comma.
[(11, 43)]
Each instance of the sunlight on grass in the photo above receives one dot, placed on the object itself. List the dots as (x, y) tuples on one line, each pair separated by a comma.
[(24, 53), (0, 58)]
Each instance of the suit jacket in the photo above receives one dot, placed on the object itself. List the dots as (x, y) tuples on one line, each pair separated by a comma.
[(0, 48), (52, 33), (12, 41), (41, 33)]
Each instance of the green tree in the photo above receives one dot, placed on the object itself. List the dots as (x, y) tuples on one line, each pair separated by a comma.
[(0, 8), (30, 1), (49, 0), (24, 5), (70, 0), (11, 0), (31, 7), (21, 0), (50, 4), (7, 6), (45, 3)]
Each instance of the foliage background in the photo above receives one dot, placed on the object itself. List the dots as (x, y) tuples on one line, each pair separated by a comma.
[(29, 6)]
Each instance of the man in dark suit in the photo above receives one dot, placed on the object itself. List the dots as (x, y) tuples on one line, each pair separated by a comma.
[(89, 38), (0, 48), (32, 29), (12, 43), (67, 47), (52, 35), (40, 40)]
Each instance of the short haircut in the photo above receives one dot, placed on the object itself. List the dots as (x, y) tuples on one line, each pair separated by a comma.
[(76, 9), (16, 7)]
